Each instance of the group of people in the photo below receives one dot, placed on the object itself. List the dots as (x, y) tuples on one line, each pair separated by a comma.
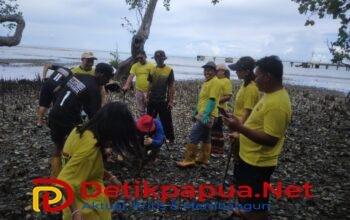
[(257, 123)]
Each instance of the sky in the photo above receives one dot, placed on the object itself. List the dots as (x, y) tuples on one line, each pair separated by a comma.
[(231, 28)]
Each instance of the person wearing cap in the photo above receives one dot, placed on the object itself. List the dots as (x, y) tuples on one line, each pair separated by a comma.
[(262, 135), (161, 94), (151, 135), (217, 136), (246, 97), (87, 63), (82, 91), (141, 69), (248, 94), (205, 113)]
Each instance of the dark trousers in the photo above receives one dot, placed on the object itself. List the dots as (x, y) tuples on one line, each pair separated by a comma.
[(161, 108)]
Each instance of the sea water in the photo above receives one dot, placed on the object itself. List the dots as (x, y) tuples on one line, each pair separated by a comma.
[(185, 68)]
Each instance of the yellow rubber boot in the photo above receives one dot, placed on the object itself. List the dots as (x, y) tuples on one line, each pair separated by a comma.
[(56, 166), (204, 154), (190, 156)]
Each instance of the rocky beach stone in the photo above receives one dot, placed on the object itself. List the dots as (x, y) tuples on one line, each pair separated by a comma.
[(316, 151)]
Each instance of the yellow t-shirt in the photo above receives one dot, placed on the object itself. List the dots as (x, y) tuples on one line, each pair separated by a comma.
[(79, 70), (141, 72), (246, 98), (82, 161), (209, 89), (271, 115), (226, 89)]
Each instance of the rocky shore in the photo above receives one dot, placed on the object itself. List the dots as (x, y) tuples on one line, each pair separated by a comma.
[(316, 151)]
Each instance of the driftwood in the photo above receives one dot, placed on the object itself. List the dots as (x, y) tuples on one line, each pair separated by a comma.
[(138, 41), (16, 38)]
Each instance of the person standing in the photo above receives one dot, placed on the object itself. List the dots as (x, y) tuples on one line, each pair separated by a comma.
[(262, 135), (205, 114), (161, 94), (246, 97), (217, 134), (81, 92), (141, 69), (86, 65)]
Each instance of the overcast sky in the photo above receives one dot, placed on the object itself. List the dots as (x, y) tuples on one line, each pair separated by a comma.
[(191, 27)]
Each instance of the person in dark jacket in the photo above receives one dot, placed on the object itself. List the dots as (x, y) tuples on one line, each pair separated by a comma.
[(81, 92)]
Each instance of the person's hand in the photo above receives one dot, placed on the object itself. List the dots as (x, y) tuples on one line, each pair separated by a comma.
[(205, 119), (171, 104), (147, 141), (232, 122), (114, 180), (76, 215)]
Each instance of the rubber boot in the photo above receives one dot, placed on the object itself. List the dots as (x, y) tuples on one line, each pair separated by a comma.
[(56, 166), (204, 153), (190, 156)]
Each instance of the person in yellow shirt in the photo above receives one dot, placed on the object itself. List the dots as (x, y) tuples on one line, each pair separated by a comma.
[(217, 135), (205, 114), (141, 69), (262, 135), (87, 63), (84, 155), (246, 97), (248, 94)]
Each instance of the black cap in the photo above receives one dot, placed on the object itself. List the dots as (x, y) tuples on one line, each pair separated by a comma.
[(160, 54), (210, 64), (244, 63), (105, 69)]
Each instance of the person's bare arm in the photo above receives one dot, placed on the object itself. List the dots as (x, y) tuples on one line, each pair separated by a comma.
[(45, 69), (259, 137), (225, 98), (128, 82), (246, 113), (171, 92)]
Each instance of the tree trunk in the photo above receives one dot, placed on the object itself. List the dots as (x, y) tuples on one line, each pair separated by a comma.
[(138, 41), (16, 38)]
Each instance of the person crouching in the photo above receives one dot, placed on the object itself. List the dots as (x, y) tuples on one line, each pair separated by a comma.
[(151, 136)]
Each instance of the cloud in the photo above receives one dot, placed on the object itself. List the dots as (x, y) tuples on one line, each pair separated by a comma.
[(230, 28)]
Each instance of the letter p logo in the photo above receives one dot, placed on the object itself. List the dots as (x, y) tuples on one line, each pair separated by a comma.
[(46, 195)]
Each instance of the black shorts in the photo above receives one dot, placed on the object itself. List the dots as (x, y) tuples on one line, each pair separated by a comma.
[(59, 133), (253, 176), (46, 94)]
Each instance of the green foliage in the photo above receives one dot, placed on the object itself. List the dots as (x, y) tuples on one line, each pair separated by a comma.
[(9, 7), (338, 9), (115, 61)]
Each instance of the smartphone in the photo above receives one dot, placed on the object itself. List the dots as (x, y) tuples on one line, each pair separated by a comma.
[(223, 112)]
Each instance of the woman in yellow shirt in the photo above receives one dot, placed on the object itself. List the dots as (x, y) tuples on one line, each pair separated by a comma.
[(246, 97), (83, 157), (217, 134)]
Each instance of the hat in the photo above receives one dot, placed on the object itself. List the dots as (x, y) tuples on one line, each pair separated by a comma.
[(210, 64), (105, 69), (244, 63), (88, 55), (221, 66), (145, 124), (160, 54)]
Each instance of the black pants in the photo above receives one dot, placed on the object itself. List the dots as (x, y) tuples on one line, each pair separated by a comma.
[(161, 108)]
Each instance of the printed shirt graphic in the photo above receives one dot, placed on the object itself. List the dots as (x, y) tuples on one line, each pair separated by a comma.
[(246, 98), (79, 70), (226, 89), (141, 72), (83, 163), (272, 114), (159, 79), (210, 89), (81, 92), (59, 76)]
